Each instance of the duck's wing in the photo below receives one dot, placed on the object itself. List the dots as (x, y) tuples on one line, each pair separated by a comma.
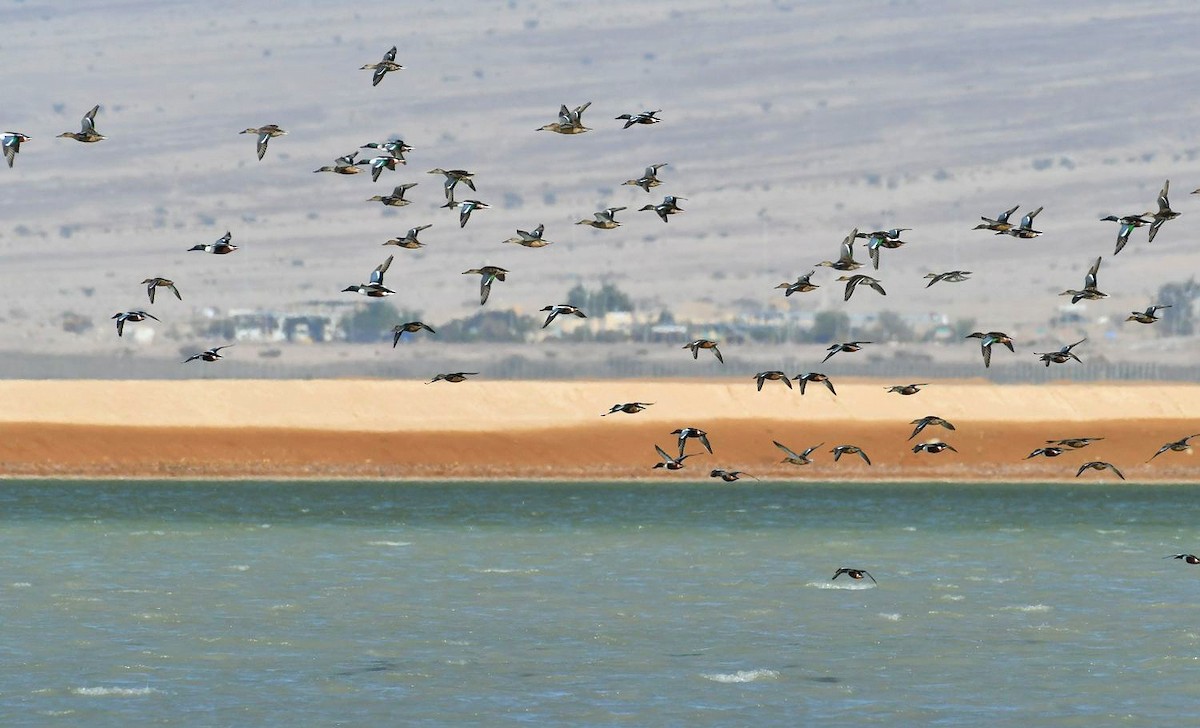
[(986, 348), (661, 453), (875, 285), (1003, 217), (717, 351), (786, 450), (705, 443), (1164, 204), (377, 274), (1154, 226), (867, 460), (88, 124), (1089, 281)]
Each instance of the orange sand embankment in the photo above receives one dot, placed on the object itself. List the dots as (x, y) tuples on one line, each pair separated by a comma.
[(402, 429)]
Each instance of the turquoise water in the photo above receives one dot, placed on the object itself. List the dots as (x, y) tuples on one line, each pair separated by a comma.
[(673, 604)]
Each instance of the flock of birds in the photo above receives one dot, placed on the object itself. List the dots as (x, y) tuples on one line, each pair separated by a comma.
[(389, 155)]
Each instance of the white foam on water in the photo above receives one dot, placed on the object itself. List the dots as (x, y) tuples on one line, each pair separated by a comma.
[(20, 585), (240, 567), (507, 571), (890, 617), (119, 692), (1031, 608), (952, 597), (389, 543), (847, 586), (741, 676)]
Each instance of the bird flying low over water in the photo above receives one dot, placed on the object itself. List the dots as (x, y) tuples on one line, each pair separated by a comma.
[(1062, 356), (803, 284), (1164, 212), (841, 450), (856, 574), (454, 377), (728, 475), (631, 408), (1025, 229), (669, 462), (818, 377), (643, 117), (384, 66), (1000, 224), (1090, 291), (12, 141), (1099, 465), (130, 316), (208, 354), (221, 247), (1186, 558), (563, 308), (1147, 316), (1176, 446), (373, 288), (849, 347), (604, 219), (924, 422), (487, 273), (773, 375), (692, 432), (409, 240), (950, 276), (987, 339), (87, 129), (264, 134), (853, 281), (1128, 223), (411, 327), (933, 447), (396, 199), (569, 121), (152, 284), (790, 456), (699, 344)]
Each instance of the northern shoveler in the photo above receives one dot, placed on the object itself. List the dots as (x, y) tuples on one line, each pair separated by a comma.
[(263, 135)]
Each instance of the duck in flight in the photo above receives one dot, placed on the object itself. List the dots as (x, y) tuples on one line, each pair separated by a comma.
[(987, 339), (818, 377), (695, 433), (853, 281), (1090, 291), (604, 219), (1180, 445), (12, 141), (264, 134), (153, 284), (841, 450), (87, 129), (396, 199), (791, 456), (384, 67), (648, 179), (453, 177), (1185, 558), (803, 284), (642, 117), (465, 208), (924, 422), (669, 206), (409, 240), (879, 239), (849, 347), (950, 276), (453, 377), (487, 274), (208, 354), (1164, 212), (373, 288), (773, 375), (221, 247), (1075, 443), (669, 462), (845, 261), (1128, 224), (563, 308), (699, 344), (130, 316), (380, 163), (1049, 452), (1148, 316), (1099, 465), (1062, 356), (933, 447), (856, 574), (569, 121), (907, 389), (629, 408), (531, 238), (395, 147), (411, 327), (1025, 230), (1000, 224), (342, 165), (728, 475)]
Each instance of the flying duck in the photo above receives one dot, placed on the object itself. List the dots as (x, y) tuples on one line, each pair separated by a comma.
[(409, 240), (648, 179), (933, 447), (692, 432), (465, 208), (1127, 223), (1090, 291), (569, 121), (1025, 229), (394, 147), (1164, 211), (1147, 316), (1062, 356), (411, 327), (629, 408), (774, 375), (845, 261), (208, 354), (12, 145), (487, 273), (342, 165), (849, 347), (907, 389), (950, 276), (924, 422), (264, 135), (382, 68), (728, 475), (803, 284), (603, 219), (889, 239), (396, 199), (790, 455), (850, 450), (380, 163), (563, 308), (453, 177), (807, 377), (1000, 224), (644, 117), (1075, 443), (221, 247), (1099, 465), (699, 344), (153, 283), (454, 377), (531, 239), (1177, 446), (373, 288), (124, 316), (669, 462), (986, 341), (669, 206), (853, 574), (853, 281), (87, 130), (1050, 452), (1186, 558)]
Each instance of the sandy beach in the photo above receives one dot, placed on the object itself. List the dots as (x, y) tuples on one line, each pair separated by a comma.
[(521, 429)]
